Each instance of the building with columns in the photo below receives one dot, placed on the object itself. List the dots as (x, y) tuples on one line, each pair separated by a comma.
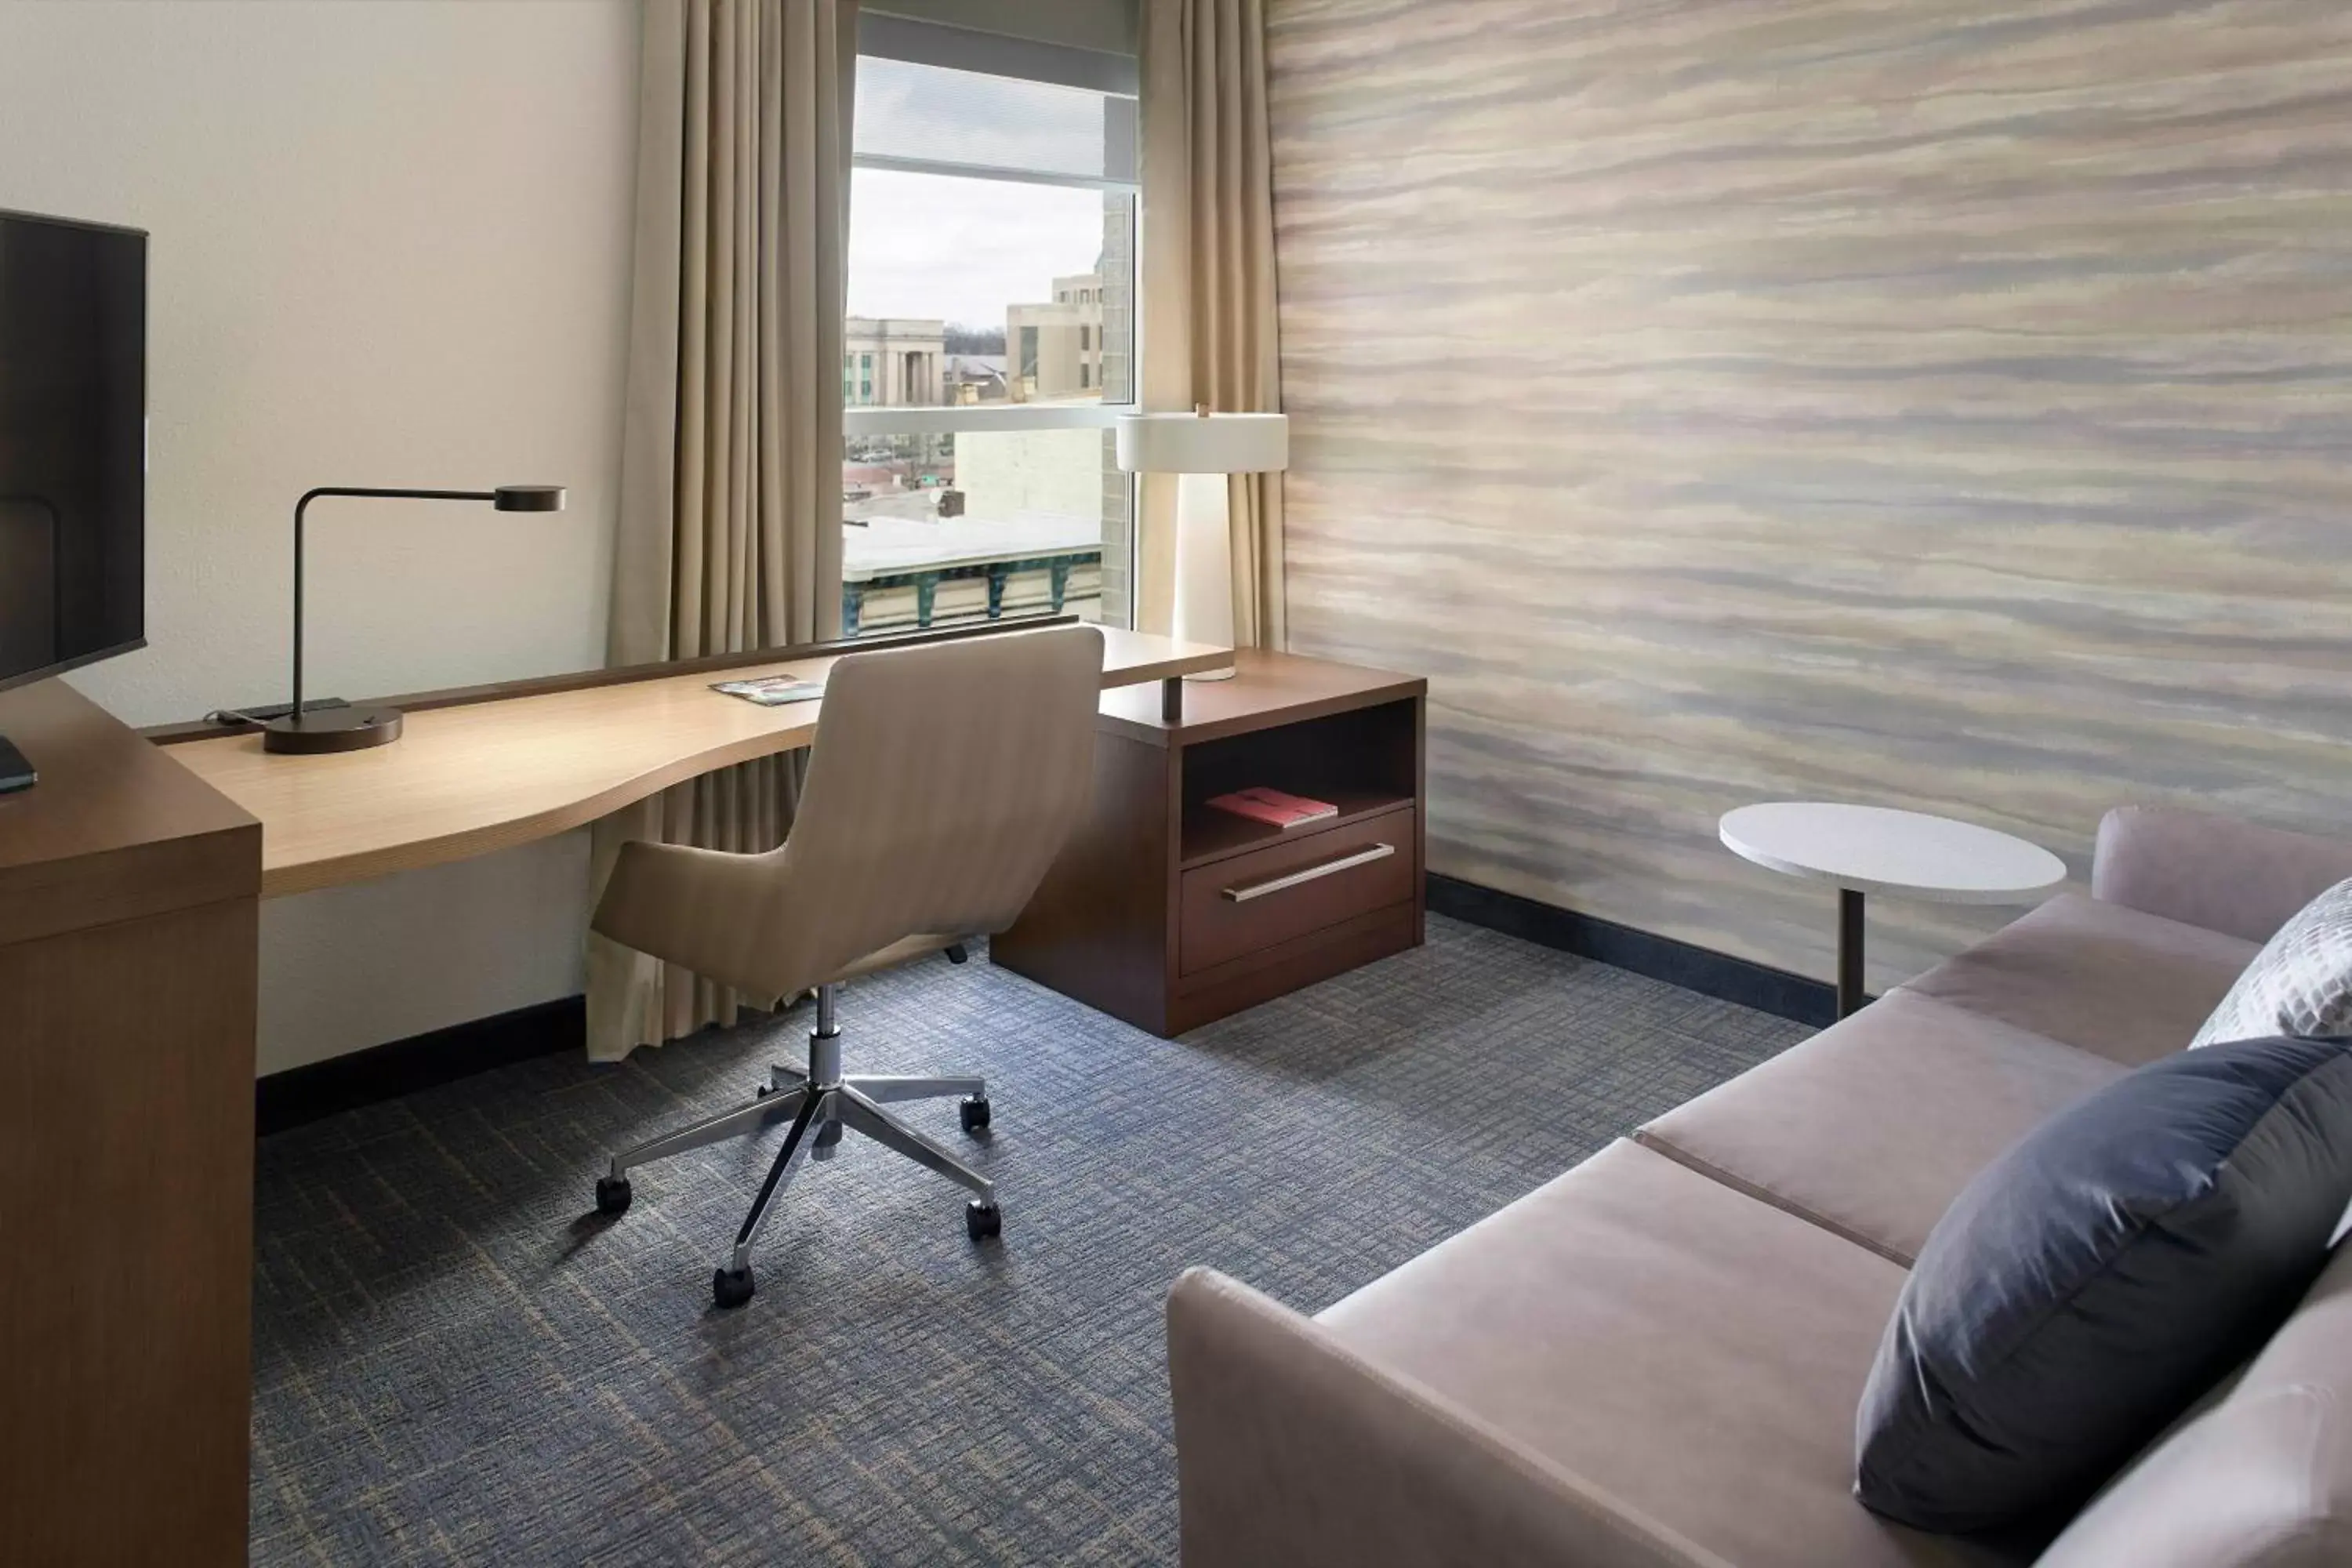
[(893, 361)]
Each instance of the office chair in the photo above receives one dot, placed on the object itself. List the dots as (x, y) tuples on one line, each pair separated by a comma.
[(942, 783)]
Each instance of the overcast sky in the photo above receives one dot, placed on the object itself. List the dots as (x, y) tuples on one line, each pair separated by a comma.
[(962, 250), (926, 245)]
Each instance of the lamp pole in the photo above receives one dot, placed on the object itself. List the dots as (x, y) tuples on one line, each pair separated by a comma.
[(350, 730), (304, 505)]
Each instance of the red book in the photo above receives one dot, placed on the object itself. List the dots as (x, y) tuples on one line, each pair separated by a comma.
[(1272, 805)]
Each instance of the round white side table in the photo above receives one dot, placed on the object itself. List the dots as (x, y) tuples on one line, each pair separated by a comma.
[(1863, 849)]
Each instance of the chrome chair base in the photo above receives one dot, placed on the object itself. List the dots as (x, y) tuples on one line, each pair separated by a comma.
[(821, 1103)]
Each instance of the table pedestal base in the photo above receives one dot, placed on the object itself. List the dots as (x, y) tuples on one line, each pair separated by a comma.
[(1850, 997)]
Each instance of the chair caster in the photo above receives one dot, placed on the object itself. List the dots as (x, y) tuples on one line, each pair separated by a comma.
[(730, 1287), (983, 1220), (827, 1140), (764, 1091), (612, 1194), (973, 1111)]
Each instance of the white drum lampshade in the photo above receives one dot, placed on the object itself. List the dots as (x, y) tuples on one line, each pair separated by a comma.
[(1200, 448)]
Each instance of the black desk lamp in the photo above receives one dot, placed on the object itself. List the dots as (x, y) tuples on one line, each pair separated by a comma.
[(355, 728)]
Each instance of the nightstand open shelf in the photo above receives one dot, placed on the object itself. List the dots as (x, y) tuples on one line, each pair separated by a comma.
[(1168, 912), (1211, 835)]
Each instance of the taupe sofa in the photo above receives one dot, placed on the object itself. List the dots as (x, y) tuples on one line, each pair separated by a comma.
[(1656, 1359)]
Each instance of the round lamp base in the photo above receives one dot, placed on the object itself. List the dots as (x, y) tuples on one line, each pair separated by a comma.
[(332, 730)]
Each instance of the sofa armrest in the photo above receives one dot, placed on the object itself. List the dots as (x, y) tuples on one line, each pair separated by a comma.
[(1291, 1452), (2212, 871)]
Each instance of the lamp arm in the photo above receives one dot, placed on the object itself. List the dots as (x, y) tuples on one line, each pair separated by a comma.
[(304, 505)]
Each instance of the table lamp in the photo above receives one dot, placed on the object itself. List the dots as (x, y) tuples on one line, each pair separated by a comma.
[(355, 728), (1200, 448)]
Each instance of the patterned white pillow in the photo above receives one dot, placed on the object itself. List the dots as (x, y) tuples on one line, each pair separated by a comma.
[(2301, 981)]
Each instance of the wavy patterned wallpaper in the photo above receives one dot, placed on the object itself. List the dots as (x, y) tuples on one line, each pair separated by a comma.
[(1935, 403)]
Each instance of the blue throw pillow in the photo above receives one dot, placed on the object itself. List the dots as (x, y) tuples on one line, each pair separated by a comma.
[(2098, 1276)]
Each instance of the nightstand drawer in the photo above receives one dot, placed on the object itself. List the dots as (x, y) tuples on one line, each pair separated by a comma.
[(1237, 906)]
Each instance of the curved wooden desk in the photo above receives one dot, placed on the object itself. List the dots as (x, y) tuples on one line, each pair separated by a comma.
[(492, 773)]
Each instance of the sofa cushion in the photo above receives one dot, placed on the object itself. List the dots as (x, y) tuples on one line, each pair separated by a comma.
[(2260, 1478), (1687, 1349), (2112, 981), (2301, 981), (2094, 1280), (1872, 1127)]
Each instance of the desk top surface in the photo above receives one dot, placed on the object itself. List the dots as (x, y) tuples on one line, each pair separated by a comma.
[(113, 831), (1270, 690), (481, 776)]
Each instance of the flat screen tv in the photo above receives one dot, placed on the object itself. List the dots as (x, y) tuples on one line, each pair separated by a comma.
[(73, 444)]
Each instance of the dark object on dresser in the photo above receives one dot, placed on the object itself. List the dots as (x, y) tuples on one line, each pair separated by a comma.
[(1168, 913), (17, 771)]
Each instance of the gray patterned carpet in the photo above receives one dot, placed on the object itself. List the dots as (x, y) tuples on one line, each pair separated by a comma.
[(454, 1362)]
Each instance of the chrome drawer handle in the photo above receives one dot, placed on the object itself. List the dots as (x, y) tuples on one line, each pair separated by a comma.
[(1244, 893)]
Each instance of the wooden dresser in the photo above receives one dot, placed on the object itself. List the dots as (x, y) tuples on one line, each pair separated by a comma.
[(1168, 912), (128, 912)]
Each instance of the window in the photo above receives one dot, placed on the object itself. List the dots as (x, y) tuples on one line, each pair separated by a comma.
[(992, 268)]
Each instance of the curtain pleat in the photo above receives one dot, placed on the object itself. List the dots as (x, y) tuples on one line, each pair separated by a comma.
[(1209, 303), (729, 530)]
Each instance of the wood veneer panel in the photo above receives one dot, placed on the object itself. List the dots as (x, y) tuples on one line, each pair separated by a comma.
[(1107, 925), (1215, 929), (126, 1151), (1101, 926), (1277, 970), (114, 830), (1270, 690)]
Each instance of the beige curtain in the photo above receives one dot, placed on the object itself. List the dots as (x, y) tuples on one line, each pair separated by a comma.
[(730, 531), (1209, 329)]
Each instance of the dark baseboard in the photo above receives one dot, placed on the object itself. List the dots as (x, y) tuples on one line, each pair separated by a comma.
[(302, 1094), (289, 1099), (1699, 969)]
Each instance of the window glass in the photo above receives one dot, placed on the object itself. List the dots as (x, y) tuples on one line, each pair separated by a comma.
[(928, 115), (991, 318)]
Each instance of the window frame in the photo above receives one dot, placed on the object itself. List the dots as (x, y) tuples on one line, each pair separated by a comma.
[(1095, 413)]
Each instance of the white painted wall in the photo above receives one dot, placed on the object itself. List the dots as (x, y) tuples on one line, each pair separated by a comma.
[(390, 247), (1007, 474)]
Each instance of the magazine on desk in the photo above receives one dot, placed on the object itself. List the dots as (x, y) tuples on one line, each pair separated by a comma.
[(772, 690)]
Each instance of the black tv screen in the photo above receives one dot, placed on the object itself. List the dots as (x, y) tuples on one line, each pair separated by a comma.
[(73, 444)]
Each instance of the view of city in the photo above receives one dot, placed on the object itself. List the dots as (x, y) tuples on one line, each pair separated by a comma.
[(983, 294)]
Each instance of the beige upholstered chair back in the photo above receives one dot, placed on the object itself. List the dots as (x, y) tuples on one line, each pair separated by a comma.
[(943, 782)]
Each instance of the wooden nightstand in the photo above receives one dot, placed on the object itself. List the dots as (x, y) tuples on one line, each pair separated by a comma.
[(1168, 913)]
